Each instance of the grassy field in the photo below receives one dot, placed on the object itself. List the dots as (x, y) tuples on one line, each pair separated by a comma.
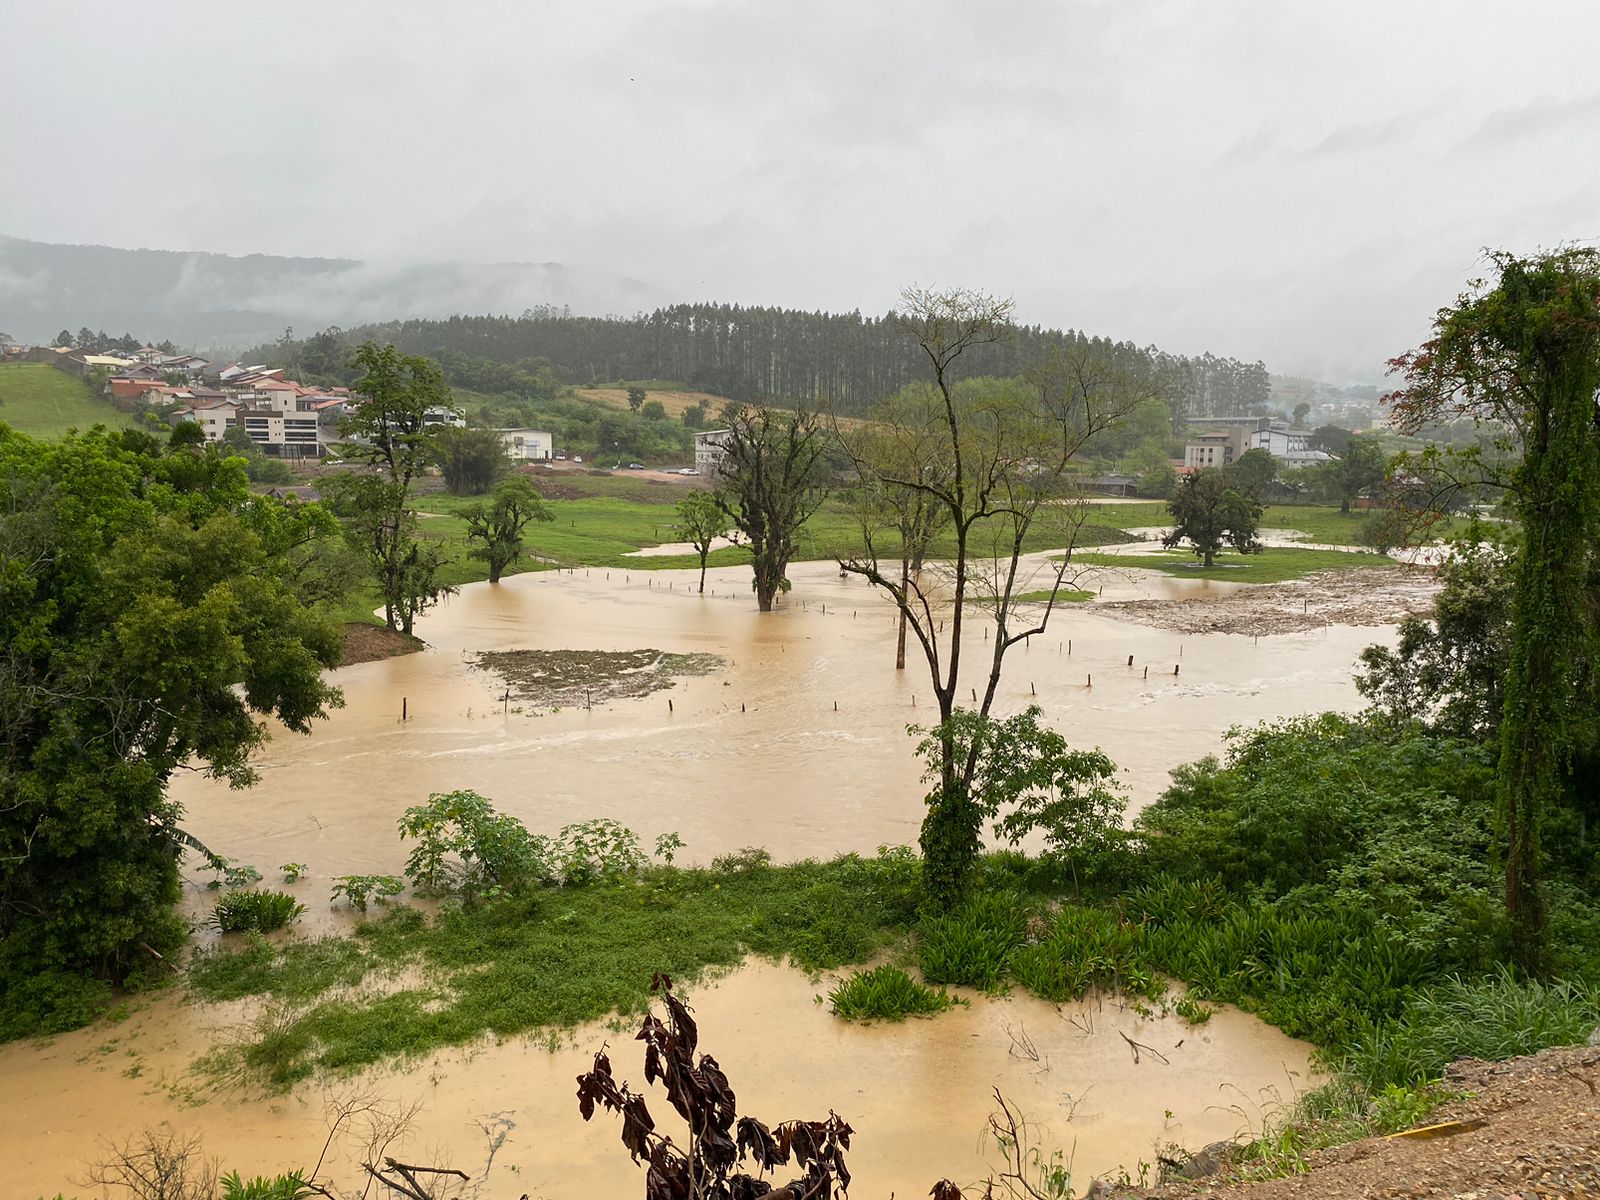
[(673, 401), (1316, 522), (1270, 566), (40, 401)]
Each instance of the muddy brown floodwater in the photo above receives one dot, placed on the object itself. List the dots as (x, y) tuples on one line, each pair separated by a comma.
[(918, 1094), (798, 745)]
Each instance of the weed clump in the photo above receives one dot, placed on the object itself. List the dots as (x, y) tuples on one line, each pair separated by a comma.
[(255, 911), (886, 994)]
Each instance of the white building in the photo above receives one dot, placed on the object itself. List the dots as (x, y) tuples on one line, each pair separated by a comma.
[(528, 445), (710, 448)]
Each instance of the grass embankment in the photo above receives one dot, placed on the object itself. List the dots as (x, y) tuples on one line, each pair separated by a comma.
[(42, 402), (553, 958), (1275, 565)]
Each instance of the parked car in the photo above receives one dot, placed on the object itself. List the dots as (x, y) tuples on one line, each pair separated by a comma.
[(577, 458), (687, 471), (635, 466), (563, 458)]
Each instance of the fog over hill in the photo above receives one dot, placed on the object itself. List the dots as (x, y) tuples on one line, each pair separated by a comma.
[(208, 300)]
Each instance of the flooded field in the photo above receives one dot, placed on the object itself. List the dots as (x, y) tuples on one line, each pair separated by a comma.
[(917, 1094), (798, 744)]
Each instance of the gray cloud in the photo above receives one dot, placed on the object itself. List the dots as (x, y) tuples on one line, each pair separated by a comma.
[(1304, 184)]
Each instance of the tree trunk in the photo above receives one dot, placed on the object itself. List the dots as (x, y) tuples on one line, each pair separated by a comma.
[(900, 644), (494, 571), (703, 554), (1344, 506), (1209, 557)]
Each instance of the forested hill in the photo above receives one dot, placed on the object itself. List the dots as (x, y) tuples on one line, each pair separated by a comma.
[(846, 359)]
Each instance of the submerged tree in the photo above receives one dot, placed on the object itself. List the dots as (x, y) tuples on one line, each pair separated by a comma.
[(992, 461), (1524, 350), (389, 431), (773, 477), (701, 522), (1211, 510), (497, 526)]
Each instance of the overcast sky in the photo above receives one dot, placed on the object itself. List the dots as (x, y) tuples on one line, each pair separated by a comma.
[(1299, 182)]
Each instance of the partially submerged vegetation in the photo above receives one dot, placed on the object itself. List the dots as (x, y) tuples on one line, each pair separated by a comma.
[(1275, 565), (562, 678)]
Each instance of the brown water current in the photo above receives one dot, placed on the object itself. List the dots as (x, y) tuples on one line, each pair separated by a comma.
[(799, 746), (918, 1094)]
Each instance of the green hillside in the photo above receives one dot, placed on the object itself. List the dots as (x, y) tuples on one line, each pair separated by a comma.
[(41, 401)]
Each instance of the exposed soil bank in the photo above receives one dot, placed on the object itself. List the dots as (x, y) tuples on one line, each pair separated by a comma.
[(369, 643), (558, 678), (1356, 597), (1532, 1131)]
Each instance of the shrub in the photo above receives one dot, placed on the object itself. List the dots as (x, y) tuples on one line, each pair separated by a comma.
[(292, 871), (49, 1002), (598, 849), (886, 994), (973, 943), (1087, 948), (466, 848), (230, 874), (255, 911), (278, 1187), (359, 889)]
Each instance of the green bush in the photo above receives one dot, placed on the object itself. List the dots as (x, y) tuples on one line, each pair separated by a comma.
[(973, 944), (278, 1187), (360, 890), (467, 849), (49, 1002), (255, 911), (886, 994)]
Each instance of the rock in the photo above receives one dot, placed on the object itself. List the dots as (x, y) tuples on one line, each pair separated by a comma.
[(1206, 1161), (1594, 1038)]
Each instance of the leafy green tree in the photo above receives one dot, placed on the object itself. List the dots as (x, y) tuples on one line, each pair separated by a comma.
[(1446, 672), (1330, 439), (497, 527), (773, 478), (148, 614), (636, 398), (389, 432), (1524, 350), (63, 339), (1030, 781), (1209, 511), (694, 417), (1253, 472), (1301, 412), (1358, 469), (701, 521), (653, 410), (471, 460)]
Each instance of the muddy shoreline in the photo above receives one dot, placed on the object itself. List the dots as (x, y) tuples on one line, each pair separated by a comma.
[(1366, 596)]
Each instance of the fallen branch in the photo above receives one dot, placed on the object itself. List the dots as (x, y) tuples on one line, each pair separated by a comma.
[(1138, 1046)]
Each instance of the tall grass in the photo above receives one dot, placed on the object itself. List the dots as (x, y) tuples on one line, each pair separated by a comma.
[(1498, 1017), (973, 944)]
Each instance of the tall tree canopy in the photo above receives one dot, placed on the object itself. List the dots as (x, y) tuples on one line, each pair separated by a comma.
[(845, 361), (1212, 509), (149, 609), (1524, 350), (389, 431)]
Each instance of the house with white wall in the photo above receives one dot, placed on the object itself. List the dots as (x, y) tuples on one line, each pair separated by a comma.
[(528, 445)]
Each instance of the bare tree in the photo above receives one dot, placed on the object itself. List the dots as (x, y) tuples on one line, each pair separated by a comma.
[(993, 460)]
